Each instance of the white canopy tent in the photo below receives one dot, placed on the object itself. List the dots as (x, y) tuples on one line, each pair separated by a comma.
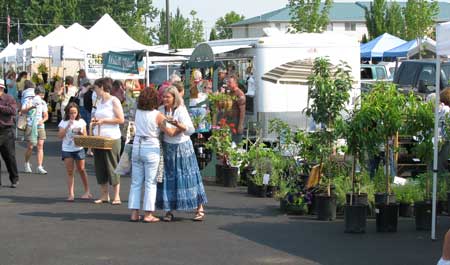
[(442, 49), (9, 53)]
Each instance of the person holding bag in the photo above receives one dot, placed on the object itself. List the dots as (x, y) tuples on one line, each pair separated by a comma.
[(71, 125), (107, 117), (69, 91), (182, 187), (146, 155)]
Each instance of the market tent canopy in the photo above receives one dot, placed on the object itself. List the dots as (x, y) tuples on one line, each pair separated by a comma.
[(9, 53), (70, 51), (376, 47), (443, 39), (40, 46), (291, 73), (411, 48), (106, 35)]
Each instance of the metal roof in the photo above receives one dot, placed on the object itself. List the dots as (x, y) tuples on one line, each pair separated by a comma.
[(340, 12)]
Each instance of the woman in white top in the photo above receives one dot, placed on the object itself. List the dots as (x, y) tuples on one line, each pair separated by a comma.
[(146, 154), (71, 125), (182, 188), (108, 115)]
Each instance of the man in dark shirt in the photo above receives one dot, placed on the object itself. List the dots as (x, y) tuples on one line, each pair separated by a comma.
[(7, 144)]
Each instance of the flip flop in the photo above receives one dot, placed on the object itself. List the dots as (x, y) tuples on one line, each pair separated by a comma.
[(101, 201), (136, 220), (199, 217), (168, 217), (70, 200), (116, 202), (89, 197), (152, 220)]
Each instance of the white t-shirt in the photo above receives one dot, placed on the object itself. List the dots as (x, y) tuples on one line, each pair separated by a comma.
[(68, 144), (41, 108), (182, 115), (105, 110)]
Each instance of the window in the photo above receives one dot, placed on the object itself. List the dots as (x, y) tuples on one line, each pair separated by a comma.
[(246, 32), (407, 73), (366, 73), (350, 26), (330, 27), (428, 75), (381, 73), (278, 26)]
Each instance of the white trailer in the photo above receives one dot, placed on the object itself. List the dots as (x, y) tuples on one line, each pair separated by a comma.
[(287, 101)]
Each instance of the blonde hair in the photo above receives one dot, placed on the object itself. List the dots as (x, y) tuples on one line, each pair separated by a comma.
[(197, 75), (178, 101)]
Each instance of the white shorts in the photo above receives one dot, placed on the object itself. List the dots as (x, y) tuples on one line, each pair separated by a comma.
[(443, 262)]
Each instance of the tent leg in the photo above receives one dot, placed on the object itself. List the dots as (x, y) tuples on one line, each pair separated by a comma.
[(435, 159), (147, 74)]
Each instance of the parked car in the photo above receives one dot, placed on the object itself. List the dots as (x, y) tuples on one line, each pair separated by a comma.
[(419, 76), (371, 73)]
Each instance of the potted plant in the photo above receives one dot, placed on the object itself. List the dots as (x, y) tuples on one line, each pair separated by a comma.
[(383, 112), (420, 123), (43, 70), (293, 199), (406, 195), (329, 90), (220, 142)]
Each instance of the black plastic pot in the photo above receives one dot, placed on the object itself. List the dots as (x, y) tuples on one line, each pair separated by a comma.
[(230, 176), (387, 217), (326, 207), (381, 198), (355, 217), (406, 210), (423, 215), (357, 199), (441, 207), (448, 203), (219, 174), (256, 190), (312, 208)]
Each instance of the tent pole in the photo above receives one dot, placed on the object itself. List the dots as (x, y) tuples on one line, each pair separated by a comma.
[(435, 149), (147, 74)]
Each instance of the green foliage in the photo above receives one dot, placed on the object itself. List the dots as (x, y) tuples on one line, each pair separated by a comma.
[(419, 17), (309, 15), (395, 22), (184, 32), (265, 161), (42, 68), (409, 193), (375, 18), (39, 17), (379, 180), (223, 24), (213, 35)]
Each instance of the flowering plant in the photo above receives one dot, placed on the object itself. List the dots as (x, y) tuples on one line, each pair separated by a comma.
[(221, 141)]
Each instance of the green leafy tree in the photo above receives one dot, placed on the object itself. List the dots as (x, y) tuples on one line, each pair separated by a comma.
[(375, 18), (419, 18), (395, 22), (223, 24), (213, 35), (197, 29), (309, 15)]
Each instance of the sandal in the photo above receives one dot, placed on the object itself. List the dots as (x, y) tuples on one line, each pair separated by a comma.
[(136, 220), (152, 220), (116, 202), (168, 217), (100, 201), (199, 216)]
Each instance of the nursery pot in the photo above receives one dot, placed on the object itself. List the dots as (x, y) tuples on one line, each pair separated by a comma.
[(423, 215), (387, 217), (448, 203), (406, 210), (355, 217), (326, 207), (219, 174), (441, 207), (230, 176), (357, 199), (256, 190), (381, 198)]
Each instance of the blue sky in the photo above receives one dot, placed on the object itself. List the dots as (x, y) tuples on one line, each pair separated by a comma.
[(210, 10)]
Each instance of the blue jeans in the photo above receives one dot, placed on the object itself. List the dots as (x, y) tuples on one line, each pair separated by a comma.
[(86, 116), (145, 161)]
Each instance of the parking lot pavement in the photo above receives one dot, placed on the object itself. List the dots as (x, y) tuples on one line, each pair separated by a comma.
[(38, 227)]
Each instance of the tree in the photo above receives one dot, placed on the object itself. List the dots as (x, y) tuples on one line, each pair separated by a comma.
[(223, 24), (419, 17), (364, 38), (309, 15), (375, 18), (213, 34), (395, 22), (197, 29)]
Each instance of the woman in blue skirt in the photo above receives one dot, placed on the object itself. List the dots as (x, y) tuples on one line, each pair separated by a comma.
[(182, 188)]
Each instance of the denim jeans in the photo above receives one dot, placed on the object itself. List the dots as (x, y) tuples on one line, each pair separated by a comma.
[(145, 160)]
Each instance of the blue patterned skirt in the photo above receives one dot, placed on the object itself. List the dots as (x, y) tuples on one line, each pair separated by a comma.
[(182, 188)]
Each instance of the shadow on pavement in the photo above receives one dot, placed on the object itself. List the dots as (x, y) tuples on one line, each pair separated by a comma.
[(326, 242), (32, 200), (80, 216), (268, 211)]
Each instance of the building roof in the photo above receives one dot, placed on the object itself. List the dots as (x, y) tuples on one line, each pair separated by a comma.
[(348, 12)]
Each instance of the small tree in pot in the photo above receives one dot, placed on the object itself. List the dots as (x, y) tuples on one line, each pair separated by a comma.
[(383, 110), (329, 90)]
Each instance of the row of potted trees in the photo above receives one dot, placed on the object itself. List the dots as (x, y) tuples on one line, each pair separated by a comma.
[(376, 118)]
